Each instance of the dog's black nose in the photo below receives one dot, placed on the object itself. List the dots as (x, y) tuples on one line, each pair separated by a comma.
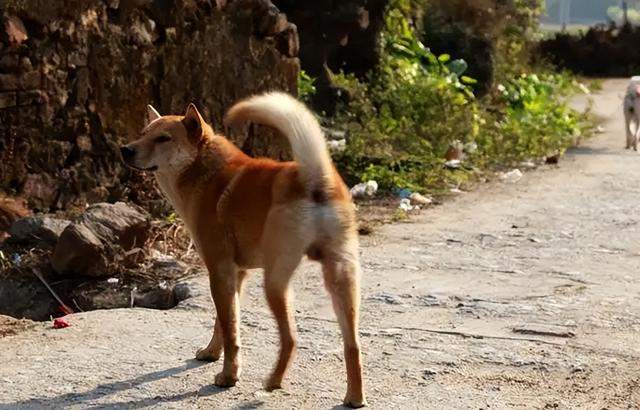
[(127, 152)]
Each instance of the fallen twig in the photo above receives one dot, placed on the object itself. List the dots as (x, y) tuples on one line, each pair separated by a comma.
[(78, 306), (66, 309)]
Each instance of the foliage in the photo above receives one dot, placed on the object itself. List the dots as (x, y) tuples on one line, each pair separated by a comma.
[(395, 121), (417, 106), (508, 25), (535, 120), (599, 51), (306, 86)]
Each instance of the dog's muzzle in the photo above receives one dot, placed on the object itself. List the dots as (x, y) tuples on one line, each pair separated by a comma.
[(127, 154)]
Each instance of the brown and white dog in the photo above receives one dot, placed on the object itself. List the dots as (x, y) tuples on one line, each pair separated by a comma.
[(244, 213), (631, 108)]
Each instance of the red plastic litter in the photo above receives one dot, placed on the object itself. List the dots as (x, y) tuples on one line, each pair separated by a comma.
[(60, 322)]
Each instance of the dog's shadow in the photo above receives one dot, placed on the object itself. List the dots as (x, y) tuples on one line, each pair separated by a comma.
[(102, 390), (85, 399)]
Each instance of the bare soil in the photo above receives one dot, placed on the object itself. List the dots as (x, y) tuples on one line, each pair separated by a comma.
[(11, 326), (514, 296)]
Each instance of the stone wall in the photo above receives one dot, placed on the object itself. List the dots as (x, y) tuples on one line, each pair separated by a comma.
[(75, 77), (336, 35)]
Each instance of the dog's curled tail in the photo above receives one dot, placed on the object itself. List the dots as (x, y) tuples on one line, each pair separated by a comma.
[(292, 118)]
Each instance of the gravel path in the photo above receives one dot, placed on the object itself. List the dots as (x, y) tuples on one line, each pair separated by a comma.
[(515, 296)]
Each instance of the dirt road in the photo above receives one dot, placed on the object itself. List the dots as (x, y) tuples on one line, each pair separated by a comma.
[(558, 252)]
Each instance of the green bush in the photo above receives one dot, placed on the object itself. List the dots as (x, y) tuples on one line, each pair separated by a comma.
[(417, 106), (402, 120), (535, 120)]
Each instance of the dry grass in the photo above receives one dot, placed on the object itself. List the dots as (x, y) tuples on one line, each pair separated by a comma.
[(11, 209), (172, 239)]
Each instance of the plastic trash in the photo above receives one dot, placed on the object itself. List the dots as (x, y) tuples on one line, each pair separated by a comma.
[(420, 199), (453, 164), (336, 146), (371, 188), (511, 176), (470, 147), (405, 204), (361, 190), (60, 323), (404, 193)]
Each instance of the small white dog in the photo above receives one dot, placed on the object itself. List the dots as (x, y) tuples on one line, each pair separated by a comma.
[(632, 112)]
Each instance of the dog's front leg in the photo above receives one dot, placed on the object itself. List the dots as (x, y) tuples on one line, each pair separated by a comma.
[(224, 280), (213, 350)]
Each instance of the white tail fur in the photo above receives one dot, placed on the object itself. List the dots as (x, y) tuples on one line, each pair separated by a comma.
[(293, 119)]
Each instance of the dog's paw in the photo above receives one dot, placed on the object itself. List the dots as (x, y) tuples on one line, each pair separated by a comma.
[(354, 402), (272, 384), (225, 380), (206, 355)]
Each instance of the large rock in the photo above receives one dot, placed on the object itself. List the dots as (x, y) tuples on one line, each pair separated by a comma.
[(99, 238), (37, 230), (166, 266), (161, 297)]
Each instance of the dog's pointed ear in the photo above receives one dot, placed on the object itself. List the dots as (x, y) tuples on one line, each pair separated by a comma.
[(152, 114), (193, 122)]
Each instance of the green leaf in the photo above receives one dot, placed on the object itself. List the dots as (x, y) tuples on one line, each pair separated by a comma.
[(468, 80), (443, 58), (458, 66)]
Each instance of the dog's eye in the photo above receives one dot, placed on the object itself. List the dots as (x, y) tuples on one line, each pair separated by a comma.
[(163, 138)]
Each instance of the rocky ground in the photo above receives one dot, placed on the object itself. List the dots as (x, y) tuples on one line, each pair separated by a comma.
[(517, 295)]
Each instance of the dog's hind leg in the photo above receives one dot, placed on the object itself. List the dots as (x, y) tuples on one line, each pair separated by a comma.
[(213, 350), (277, 276), (341, 270), (285, 240)]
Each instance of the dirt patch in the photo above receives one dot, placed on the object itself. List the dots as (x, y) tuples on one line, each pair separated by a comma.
[(11, 326)]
